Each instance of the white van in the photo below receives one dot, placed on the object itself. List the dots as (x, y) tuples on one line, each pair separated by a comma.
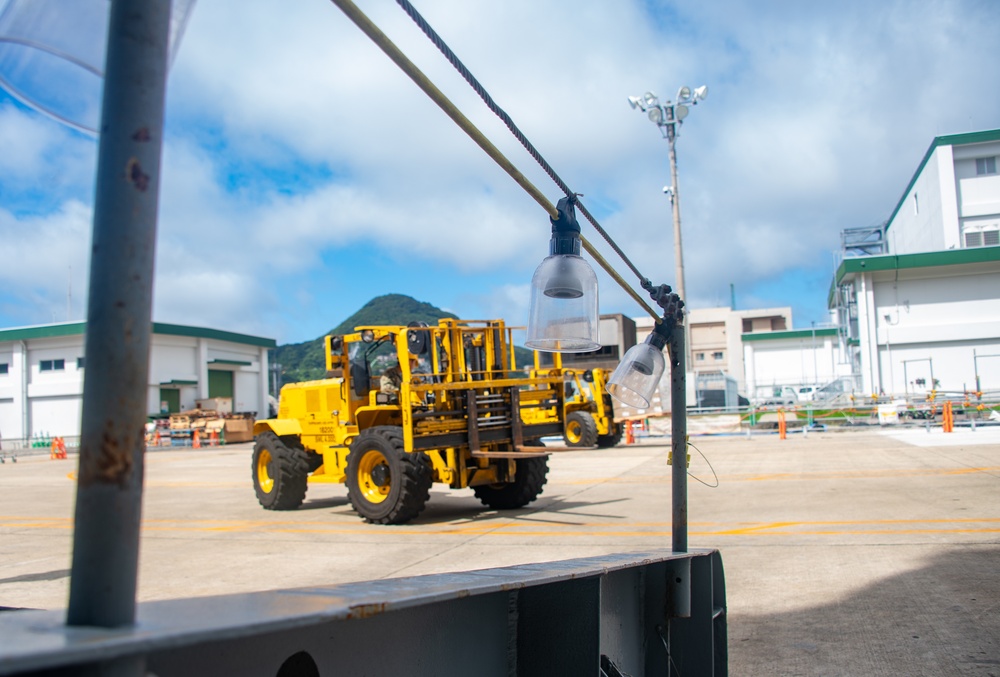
[(779, 396)]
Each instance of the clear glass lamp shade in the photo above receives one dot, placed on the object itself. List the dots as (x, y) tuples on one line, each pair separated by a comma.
[(52, 54), (637, 376), (563, 317)]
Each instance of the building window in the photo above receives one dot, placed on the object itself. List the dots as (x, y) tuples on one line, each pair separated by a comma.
[(4, 368), (986, 165), (79, 363), (717, 356), (700, 357), (52, 365)]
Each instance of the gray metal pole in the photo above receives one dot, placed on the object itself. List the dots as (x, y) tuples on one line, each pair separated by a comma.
[(115, 391), (675, 203), (676, 208), (678, 438)]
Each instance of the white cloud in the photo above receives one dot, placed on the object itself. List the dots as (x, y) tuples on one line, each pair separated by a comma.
[(816, 118), (46, 259)]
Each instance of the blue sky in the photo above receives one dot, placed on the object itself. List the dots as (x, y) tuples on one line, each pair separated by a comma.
[(303, 174)]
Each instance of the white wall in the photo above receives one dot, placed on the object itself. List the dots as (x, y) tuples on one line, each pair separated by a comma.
[(924, 319), (917, 225), (56, 416), (978, 195), (10, 418), (793, 361)]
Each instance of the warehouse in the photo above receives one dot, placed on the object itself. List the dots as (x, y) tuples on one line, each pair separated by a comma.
[(42, 370)]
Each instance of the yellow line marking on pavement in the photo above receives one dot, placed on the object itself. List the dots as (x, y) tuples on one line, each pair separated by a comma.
[(861, 474), (790, 476), (659, 479), (969, 525)]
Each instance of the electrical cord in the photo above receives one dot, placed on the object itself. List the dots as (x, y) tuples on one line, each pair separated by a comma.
[(714, 474)]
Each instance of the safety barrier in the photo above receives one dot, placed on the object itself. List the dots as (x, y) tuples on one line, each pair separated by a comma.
[(11, 448)]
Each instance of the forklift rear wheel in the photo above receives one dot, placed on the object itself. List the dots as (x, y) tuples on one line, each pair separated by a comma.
[(529, 478), (280, 470), (617, 430), (581, 429)]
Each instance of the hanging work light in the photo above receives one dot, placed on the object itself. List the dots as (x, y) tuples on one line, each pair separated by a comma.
[(634, 381), (52, 54), (563, 317)]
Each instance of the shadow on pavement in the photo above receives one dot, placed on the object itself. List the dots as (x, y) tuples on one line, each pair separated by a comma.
[(940, 619)]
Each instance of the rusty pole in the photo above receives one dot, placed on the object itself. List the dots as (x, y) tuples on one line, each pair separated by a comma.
[(115, 392)]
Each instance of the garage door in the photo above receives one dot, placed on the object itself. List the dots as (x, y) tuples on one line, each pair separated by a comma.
[(220, 383), (172, 398), (10, 419), (54, 416)]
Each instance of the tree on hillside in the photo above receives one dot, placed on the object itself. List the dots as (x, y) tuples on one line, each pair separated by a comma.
[(306, 361)]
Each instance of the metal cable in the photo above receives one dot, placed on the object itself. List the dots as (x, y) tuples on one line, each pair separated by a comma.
[(438, 97), (502, 114)]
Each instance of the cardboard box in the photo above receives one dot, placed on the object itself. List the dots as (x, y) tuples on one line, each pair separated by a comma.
[(238, 430), (222, 405)]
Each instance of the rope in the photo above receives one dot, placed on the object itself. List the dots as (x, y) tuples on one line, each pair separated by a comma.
[(502, 114), (438, 97)]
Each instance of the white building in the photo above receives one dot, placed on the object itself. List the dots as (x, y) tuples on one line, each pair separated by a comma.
[(927, 314), (42, 370), (716, 337), (802, 360)]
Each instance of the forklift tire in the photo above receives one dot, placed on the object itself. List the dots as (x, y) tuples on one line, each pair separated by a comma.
[(581, 429), (529, 478), (385, 484), (614, 436), (280, 471)]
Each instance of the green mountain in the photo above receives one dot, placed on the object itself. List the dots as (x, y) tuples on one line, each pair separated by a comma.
[(392, 309), (305, 361)]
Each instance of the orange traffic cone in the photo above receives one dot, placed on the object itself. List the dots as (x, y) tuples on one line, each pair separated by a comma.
[(58, 448)]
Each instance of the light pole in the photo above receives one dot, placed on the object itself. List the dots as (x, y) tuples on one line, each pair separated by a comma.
[(667, 116)]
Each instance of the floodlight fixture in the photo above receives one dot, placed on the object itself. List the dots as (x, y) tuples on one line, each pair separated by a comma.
[(667, 117), (563, 316), (637, 376)]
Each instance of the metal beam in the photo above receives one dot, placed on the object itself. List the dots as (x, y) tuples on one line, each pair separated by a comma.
[(555, 618)]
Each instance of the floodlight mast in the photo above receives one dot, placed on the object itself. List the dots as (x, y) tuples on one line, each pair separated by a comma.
[(667, 116)]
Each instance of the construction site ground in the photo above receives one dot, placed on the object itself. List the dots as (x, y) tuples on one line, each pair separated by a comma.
[(846, 553)]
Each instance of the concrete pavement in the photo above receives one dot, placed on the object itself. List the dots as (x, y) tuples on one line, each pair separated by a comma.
[(846, 553)]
